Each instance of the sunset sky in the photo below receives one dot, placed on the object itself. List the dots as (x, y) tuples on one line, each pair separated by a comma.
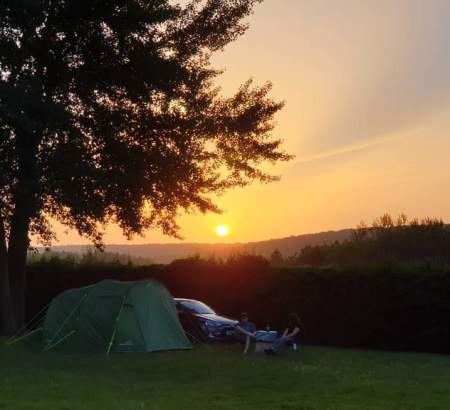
[(367, 115)]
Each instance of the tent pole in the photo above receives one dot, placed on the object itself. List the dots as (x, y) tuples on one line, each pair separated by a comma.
[(10, 343), (65, 320), (202, 342), (116, 324), (48, 347), (11, 340), (198, 340)]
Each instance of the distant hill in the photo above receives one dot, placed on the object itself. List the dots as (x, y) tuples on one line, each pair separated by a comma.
[(165, 253)]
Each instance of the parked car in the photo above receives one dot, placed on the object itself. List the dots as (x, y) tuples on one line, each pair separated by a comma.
[(201, 323)]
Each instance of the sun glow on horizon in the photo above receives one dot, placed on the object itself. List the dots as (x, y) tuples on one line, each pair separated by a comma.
[(222, 230)]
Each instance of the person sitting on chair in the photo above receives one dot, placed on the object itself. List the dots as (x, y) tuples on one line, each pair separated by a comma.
[(244, 331), (290, 335)]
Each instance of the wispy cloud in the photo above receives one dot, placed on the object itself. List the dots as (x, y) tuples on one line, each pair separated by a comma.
[(348, 149)]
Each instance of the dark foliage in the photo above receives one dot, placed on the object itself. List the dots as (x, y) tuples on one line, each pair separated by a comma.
[(386, 241), (399, 307), (108, 112)]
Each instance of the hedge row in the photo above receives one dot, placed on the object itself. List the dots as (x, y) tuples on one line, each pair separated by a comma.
[(383, 308)]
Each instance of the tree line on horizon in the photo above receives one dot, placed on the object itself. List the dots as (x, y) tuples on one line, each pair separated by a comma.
[(388, 240)]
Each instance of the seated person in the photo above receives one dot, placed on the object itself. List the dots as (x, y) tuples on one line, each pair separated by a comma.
[(290, 335), (244, 331)]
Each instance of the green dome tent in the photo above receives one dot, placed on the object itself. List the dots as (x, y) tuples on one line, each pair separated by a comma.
[(114, 316)]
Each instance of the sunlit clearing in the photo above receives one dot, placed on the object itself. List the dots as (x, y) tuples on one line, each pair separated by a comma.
[(222, 230)]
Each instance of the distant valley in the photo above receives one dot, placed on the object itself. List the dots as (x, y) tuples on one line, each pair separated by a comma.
[(165, 253)]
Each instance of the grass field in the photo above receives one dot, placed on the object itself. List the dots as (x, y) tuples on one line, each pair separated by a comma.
[(219, 377)]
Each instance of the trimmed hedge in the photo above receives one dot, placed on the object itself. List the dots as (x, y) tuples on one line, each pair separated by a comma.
[(384, 307)]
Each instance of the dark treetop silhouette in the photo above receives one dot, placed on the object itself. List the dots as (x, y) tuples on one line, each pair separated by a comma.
[(108, 112)]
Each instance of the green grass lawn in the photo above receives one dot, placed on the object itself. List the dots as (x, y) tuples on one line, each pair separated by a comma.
[(219, 377)]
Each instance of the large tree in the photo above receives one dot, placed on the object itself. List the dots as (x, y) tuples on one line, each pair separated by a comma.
[(109, 113)]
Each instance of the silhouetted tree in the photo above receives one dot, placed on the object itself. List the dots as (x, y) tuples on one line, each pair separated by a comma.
[(314, 255), (276, 258), (108, 112), (387, 240)]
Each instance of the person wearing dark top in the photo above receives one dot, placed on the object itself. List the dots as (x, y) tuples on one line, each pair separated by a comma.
[(244, 331), (290, 335)]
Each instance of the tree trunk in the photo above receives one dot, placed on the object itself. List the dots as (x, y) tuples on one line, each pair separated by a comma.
[(7, 321), (24, 207), (17, 256)]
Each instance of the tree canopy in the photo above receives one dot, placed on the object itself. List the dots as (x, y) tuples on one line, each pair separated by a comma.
[(108, 112)]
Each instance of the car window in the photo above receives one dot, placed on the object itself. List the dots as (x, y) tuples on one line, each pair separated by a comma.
[(195, 307)]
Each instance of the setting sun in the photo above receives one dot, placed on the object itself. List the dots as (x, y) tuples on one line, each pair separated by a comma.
[(222, 230)]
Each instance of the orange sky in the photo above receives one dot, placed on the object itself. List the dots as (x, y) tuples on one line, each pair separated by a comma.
[(367, 97)]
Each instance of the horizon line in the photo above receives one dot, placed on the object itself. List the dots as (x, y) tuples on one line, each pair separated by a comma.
[(199, 243)]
